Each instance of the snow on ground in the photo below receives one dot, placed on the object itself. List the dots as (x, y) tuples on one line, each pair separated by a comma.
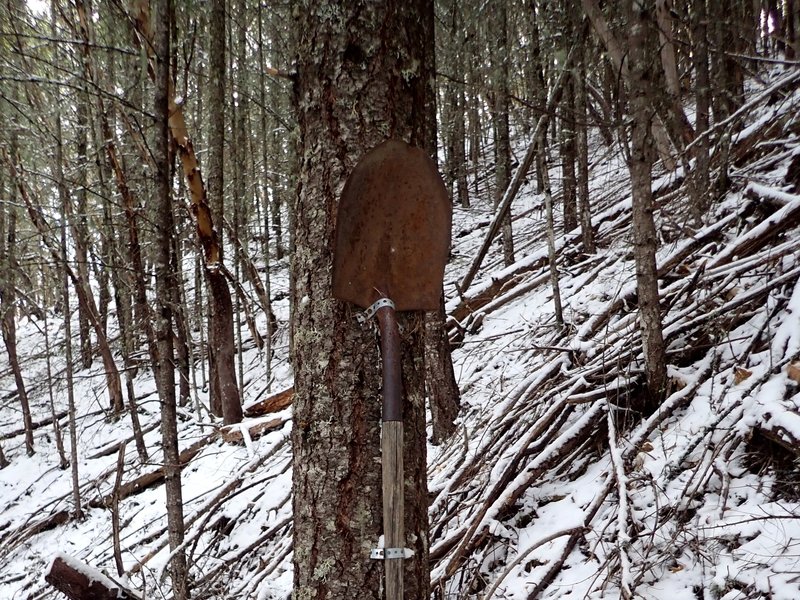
[(693, 501)]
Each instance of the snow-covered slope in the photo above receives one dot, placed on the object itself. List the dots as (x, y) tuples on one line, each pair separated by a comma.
[(556, 484)]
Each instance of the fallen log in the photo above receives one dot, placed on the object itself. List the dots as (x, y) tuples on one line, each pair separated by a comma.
[(35, 425), (270, 404), (234, 434), (79, 581), (152, 477)]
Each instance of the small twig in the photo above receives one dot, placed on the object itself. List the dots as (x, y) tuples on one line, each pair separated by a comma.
[(526, 553)]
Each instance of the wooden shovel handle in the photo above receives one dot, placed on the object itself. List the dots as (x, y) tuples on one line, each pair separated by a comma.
[(392, 451), (393, 505)]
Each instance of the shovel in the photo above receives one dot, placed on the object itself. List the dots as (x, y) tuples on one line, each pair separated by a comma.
[(392, 243)]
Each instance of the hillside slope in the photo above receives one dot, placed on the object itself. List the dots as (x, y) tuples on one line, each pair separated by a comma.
[(556, 484)]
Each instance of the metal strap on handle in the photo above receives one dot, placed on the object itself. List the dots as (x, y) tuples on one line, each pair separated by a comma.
[(370, 312), (389, 553)]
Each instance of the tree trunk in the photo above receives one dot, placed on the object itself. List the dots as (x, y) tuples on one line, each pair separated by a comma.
[(80, 276), (216, 150), (379, 61), (536, 82), (453, 130), (81, 582), (77, 511), (567, 151), (63, 461), (728, 78), (221, 344), (9, 327), (582, 147), (166, 279), (620, 61), (502, 137), (551, 235), (265, 197), (182, 353), (216, 109), (682, 132), (644, 232), (239, 158), (443, 393), (78, 222), (284, 159), (8, 303), (699, 182)]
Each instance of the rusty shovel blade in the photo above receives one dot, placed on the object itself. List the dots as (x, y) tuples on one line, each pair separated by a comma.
[(392, 241), (392, 230)]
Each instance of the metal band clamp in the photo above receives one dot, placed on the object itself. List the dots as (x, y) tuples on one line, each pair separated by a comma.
[(389, 553), (370, 312)]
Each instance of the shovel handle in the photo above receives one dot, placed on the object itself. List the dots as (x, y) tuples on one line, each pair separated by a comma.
[(393, 505), (392, 450), (390, 357)]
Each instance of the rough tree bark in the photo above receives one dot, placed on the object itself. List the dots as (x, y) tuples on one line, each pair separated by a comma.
[(644, 231), (162, 352), (364, 74), (221, 331), (216, 172), (443, 393), (502, 136), (216, 145), (8, 303), (699, 182)]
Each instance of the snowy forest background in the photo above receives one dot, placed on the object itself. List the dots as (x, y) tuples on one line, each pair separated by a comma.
[(612, 382)]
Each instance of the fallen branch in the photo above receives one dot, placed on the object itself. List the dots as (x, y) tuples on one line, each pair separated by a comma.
[(234, 434), (523, 555), (270, 404), (79, 581), (35, 425), (516, 182)]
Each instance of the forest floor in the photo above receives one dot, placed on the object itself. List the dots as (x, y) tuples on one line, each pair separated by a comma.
[(558, 482)]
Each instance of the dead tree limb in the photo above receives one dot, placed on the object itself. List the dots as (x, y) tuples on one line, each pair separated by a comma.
[(79, 581), (516, 181)]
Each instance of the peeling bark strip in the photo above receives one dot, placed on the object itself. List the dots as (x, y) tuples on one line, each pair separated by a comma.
[(222, 306), (204, 224), (78, 581)]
